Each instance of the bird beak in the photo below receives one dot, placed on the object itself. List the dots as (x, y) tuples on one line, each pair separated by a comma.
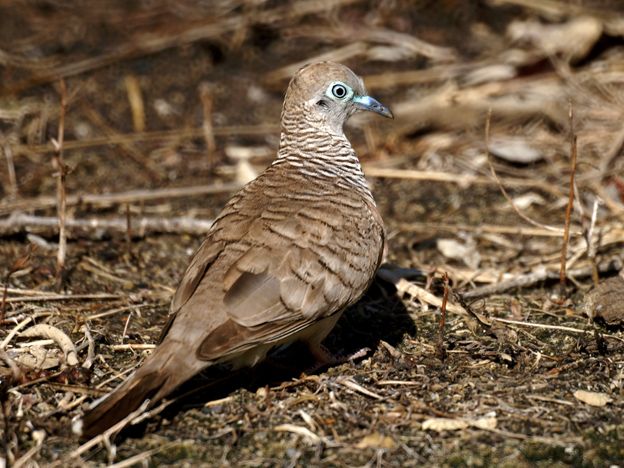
[(368, 103)]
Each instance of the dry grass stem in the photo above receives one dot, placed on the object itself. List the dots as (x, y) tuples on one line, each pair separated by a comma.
[(135, 98), (459, 179), (568, 212), (205, 95)]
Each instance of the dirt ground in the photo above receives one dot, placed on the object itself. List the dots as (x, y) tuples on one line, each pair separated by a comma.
[(170, 106)]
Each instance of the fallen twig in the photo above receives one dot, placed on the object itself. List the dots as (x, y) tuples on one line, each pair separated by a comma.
[(53, 333), (529, 279), (481, 228), (119, 198), (66, 297), (459, 179), (553, 327), (20, 222), (125, 347)]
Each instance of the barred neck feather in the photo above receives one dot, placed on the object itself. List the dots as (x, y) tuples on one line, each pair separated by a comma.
[(320, 154)]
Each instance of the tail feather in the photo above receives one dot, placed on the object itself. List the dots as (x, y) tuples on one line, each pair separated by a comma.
[(162, 373)]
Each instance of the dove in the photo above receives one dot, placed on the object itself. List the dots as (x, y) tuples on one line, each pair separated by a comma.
[(285, 257)]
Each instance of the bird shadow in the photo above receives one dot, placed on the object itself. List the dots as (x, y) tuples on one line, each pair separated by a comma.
[(378, 315)]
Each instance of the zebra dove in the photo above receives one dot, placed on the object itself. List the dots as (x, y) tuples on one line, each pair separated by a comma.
[(288, 253)]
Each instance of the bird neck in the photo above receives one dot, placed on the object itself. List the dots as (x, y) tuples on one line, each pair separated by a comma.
[(322, 156)]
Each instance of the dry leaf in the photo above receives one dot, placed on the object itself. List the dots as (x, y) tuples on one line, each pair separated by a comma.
[(514, 149), (376, 440), (467, 252), (592, 398)]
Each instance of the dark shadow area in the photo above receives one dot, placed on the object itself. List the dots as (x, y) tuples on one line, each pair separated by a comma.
[(379, 315)]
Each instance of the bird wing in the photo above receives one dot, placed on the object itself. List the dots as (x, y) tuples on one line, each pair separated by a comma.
[(294, 271)]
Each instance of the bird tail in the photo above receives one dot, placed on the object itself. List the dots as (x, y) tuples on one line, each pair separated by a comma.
[(161, 373)]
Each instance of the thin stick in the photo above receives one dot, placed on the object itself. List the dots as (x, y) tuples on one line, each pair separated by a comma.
[(61, 200), (529, 279), (68, 297), (459, 179), (119, 198), (568, 212), (552, 327), (22, 222), (131, 346), (478, 229), (116, 311)]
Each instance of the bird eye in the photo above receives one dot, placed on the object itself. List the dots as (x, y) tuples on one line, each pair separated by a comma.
[(339, 91)]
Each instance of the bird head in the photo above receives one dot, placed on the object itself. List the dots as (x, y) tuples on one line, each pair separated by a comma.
[(325, 95)]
